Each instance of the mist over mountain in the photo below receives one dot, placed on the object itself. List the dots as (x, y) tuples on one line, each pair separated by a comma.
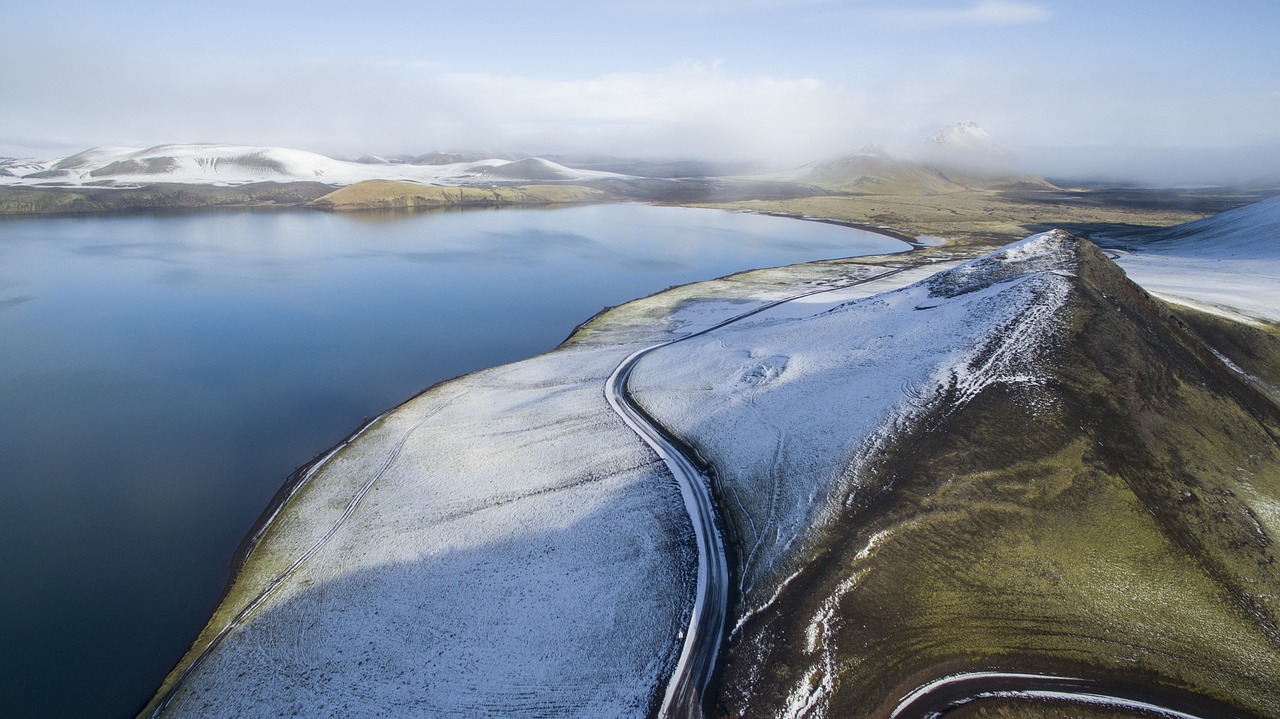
[(960, 155)]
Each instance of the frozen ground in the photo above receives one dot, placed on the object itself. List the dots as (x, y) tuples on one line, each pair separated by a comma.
[(216, 164), (790, 404)]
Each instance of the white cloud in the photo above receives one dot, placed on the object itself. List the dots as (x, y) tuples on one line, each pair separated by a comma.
[(983, 12), (353, 107), (350, 106), (694, 109)]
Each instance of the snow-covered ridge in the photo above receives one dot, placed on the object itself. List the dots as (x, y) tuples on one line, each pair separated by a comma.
[(791, 406), (219, 164)]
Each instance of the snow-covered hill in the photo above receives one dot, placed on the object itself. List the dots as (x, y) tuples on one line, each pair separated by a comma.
[(1228, 263), (794, 398), (1250, 232), (218, 164), (954, 475)]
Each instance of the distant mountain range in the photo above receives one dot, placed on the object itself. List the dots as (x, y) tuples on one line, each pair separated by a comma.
[(218, 164), (959, 157)]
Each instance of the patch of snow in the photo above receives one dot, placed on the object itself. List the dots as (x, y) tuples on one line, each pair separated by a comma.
[(808, 697), (1231, 288)]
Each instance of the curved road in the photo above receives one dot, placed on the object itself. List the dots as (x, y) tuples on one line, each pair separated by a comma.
[(701, 648), (941, 696)]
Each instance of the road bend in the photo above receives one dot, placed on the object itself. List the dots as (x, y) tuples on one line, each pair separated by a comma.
[(941, 696), (702, 638)]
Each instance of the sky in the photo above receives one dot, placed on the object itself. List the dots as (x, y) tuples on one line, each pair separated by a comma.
[(1160, 88)]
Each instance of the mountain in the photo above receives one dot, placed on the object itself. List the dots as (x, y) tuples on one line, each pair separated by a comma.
[(219, 164), (958, 158), (531, 168), (965, 137), (872, 170)]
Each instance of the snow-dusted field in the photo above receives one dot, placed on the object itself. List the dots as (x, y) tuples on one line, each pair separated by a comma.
[(515, 552), (215, 164)]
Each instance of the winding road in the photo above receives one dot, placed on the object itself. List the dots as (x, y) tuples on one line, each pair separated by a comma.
[(943, 695), (688, 683)]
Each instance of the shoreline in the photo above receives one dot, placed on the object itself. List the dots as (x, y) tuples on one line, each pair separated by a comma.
[(301, 477), (912, 240), (766, 281)]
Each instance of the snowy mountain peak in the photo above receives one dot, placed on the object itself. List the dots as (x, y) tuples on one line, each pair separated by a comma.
[(223, 164), (965, 137), (962, 134), (876, 150)]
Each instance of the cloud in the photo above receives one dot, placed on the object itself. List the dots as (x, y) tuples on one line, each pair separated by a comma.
[(352, 107), (983, 12), (691, 109), (704, 110)]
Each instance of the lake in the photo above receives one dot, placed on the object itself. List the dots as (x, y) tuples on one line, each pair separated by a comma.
[(162, 375)]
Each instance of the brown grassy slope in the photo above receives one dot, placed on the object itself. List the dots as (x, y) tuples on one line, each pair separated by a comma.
[(1115, 522), (389, 194)]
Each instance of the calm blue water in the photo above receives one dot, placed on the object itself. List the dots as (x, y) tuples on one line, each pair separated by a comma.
[(160, 376)]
